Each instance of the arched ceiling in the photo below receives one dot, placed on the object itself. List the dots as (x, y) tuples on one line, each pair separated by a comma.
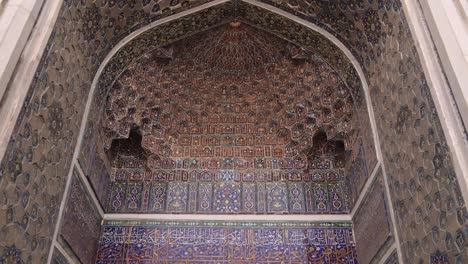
[(236, 106), (243, 86), (305, 64)]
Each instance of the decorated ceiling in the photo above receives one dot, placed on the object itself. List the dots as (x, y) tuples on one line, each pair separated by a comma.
[(233, 74), (269, 122)]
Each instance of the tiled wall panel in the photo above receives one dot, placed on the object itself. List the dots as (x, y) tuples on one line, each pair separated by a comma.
[(191, 242), (372, 224), (81, 222)]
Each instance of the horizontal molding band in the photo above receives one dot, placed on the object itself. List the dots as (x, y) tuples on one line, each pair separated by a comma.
[(204, 220)]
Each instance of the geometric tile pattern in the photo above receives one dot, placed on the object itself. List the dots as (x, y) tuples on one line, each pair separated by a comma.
[(371, 223), (199, 244), (81, 221), (321, 190)]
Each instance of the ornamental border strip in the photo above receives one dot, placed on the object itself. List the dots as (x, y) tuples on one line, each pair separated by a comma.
[(228, 224)]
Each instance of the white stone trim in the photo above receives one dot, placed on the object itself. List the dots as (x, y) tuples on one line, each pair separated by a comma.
[(440, 90), (17, 18), (226, 217), (449, 31), (25, 66), (89, 189)]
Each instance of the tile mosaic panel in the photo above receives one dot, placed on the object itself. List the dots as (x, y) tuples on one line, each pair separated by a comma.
[(320, 197), (194, 242), (81, 223), (322, 191), (158, 197), (249, 197), (177, 195), (296, 197), (205, 197), (277, 197), (227, 197), (117, 197), (134, 193), (261, 197), (372, 224)]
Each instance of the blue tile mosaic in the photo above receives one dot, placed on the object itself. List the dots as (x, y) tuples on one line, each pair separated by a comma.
[(226, 242), (319, 191)]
